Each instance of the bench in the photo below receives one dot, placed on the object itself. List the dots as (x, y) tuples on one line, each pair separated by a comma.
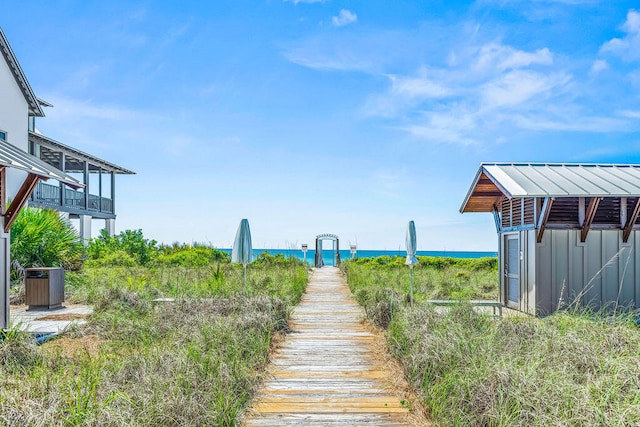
[(476, 303)]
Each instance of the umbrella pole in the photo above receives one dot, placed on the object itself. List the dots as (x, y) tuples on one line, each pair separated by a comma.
[(411, 285), (244, 277)]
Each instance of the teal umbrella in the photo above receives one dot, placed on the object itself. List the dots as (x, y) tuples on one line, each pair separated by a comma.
[(242, 250), (411, 255)]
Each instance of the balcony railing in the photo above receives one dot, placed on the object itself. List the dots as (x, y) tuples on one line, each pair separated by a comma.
[(48, 194)]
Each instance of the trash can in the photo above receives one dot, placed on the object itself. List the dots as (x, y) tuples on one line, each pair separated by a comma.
[(44, 287)]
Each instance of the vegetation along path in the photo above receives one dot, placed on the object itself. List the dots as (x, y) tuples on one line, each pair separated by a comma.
[(326, 373)]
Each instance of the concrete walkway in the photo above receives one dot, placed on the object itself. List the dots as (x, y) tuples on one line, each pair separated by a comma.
[(326, 373), (49, 321)]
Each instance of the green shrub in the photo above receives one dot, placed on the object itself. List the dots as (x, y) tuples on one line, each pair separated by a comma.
[(189, 256), (42, 238), (118, 258), (132, 242), (266, 259)]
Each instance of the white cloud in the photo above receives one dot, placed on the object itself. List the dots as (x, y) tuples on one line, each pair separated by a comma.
[(496, 56), (417, 87), (476, 97), (406, 92), (345, 17), (627, 47), (69, 108), (520, 86), (630, 114), (598, 66), (332, 61)]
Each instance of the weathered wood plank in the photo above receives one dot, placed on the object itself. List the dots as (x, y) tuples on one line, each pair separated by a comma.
[(325, 372)]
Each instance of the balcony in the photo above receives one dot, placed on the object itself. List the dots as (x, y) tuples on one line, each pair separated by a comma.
[(49, 196), (96, 174)]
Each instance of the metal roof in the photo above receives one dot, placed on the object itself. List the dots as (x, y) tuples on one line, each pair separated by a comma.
[(51, 157), (12, 156), (496, 180), (21, 79)]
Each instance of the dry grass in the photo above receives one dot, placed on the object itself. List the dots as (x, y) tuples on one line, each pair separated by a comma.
[(192, 362), (418, 413)]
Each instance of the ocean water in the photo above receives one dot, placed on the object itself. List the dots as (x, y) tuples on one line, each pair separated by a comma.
[(328, 256)]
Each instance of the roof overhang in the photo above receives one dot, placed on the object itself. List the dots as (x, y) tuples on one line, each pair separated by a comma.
[(80, 155), (485, 193), (13, 157), (33, 102), (494, 181)]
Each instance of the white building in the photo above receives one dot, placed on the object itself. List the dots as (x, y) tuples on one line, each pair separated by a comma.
[(28, 159)]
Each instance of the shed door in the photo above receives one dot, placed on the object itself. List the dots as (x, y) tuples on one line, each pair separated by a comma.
[(512, 270)]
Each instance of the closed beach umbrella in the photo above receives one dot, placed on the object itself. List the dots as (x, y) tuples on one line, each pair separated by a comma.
[(242, 250), (411, 255)]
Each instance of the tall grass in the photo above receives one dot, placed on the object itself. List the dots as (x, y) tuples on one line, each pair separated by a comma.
[(195, 361), (574, 368)]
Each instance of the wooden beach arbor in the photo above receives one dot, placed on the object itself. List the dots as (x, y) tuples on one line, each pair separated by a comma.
[(567, 233), (319, 263)]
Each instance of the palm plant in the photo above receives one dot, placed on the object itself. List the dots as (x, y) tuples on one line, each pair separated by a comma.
[(42, 238)]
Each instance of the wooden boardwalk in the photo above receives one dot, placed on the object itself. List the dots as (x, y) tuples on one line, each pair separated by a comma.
[(325, 373)]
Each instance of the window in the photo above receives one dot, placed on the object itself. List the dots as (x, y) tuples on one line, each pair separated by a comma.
[(3, 135)]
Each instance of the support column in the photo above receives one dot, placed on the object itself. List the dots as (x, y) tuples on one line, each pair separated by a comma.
[(100, 189), (85, 228), (86, 183), (63, 162), (110, 226), (5, 279), (113, 192)]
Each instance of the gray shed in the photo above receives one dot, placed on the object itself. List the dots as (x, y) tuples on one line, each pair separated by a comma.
[(568, 234)]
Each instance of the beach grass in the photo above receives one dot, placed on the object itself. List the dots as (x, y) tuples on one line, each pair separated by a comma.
[(195, 361), (571, 368)]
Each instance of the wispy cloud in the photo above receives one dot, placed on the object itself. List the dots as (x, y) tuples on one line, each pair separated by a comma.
[(630, 114), (496, 56), (476, 96), (305, 1), (345, 17), (599, 66), (628, 46), (342, 60), (70, 108), (520, 86)]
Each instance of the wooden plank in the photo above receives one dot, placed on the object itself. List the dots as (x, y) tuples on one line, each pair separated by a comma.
[(544, 217), (325, 372), (20, 200), (631, 221), (589, 216)]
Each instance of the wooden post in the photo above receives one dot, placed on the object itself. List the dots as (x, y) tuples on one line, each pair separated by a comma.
[(544, 216), (589, 216), (316, 257), (19, 201), (631, 221), (3, 190)]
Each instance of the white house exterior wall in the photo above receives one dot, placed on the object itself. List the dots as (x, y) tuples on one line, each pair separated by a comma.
[(603, 271), (14, 117)]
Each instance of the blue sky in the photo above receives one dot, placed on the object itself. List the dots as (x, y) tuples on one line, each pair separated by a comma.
[(344, 117)]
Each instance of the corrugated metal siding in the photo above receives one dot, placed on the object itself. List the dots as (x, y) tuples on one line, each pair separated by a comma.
[(531, 275), (601, 272), (563, 180)]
